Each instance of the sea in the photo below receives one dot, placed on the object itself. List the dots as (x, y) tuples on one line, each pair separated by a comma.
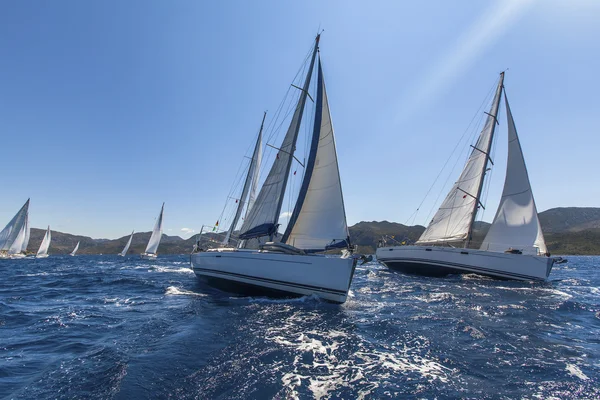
[(106, 327)]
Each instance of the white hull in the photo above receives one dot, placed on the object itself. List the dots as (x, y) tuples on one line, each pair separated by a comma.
[(431, 260), (251, 271), (17, 255), (41, 256), (148, 256)]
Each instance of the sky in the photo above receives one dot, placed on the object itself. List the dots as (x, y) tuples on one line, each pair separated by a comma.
[(108, 109)]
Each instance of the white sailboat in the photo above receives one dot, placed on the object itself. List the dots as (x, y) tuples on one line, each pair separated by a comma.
[(75, 250), (514, 246), (45, 245), (126, 248), (16, 249), (15, 234), (152, 247), (318, 221)]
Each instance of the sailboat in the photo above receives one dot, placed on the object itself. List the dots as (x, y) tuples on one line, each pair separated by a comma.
[(75, 249), (15, 234), (514, 246), (152, 247), (318, 221), (19, 246), (45, 245), (126, 248)]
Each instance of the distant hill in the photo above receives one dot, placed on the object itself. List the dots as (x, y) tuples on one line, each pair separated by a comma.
[(571, 230), (570, 219), (64, 243)]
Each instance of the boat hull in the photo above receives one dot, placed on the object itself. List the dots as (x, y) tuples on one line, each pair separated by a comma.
[(275, 274), (41, 256), (148, 256), (440, 261), (16, 256)]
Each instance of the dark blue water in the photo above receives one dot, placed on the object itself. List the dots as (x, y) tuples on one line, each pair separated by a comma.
[(105, 327)]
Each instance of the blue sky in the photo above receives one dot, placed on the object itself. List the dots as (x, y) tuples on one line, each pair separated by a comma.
[(109, 108)]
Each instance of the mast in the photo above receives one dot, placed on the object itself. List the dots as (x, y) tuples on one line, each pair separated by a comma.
[(494, 116), (264, 215), (297, 129), (249, 181)]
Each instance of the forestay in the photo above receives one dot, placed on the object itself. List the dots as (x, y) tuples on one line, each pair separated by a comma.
[(13, 228), (263, 217), (250, 183), (454, 218), (156, 234), (319, 218), (516, 224)]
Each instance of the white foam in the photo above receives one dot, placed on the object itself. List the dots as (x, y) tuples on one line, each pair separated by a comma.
[(175, 291), (575, 371)]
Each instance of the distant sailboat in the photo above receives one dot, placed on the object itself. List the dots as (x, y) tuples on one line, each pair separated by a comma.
[(20, 243), (317, 224), (45, 245), (75, 249), (151, 249), (15, 231), (514, 246), (126, 249)]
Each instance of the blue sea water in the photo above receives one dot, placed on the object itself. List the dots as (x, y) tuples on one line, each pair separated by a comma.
[(107, 327)]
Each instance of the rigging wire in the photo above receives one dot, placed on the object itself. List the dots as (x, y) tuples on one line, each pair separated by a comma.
[(462, 137)]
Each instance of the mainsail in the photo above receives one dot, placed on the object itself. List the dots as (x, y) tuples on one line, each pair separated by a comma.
[(75, 249), (454, 219), (319, 218), (156, 234), (17, 244), (13, 228), (250, 183), (45, 243), (27, 233), (126, 248), (516, 224), (263, 217)]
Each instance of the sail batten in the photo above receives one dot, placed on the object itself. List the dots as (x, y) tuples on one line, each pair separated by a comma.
[(154, 241), (453, 221), (319, 220), (263, 217), (516, 224)]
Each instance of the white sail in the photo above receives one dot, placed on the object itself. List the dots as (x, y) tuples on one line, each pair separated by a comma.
[(454, 218), (126, 248), (27, 233), (13, 228), (255, 174), (263, 218), (45, 245), (156, 234), (251, 178), (319, 219), (17, 244), (516, 224), (75, 249)]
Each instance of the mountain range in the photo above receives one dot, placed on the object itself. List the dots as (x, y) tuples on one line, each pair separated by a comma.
[(570, 230)]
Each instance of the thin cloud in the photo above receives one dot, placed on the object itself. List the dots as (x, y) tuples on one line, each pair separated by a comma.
[(469, 46), (187, 230)]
